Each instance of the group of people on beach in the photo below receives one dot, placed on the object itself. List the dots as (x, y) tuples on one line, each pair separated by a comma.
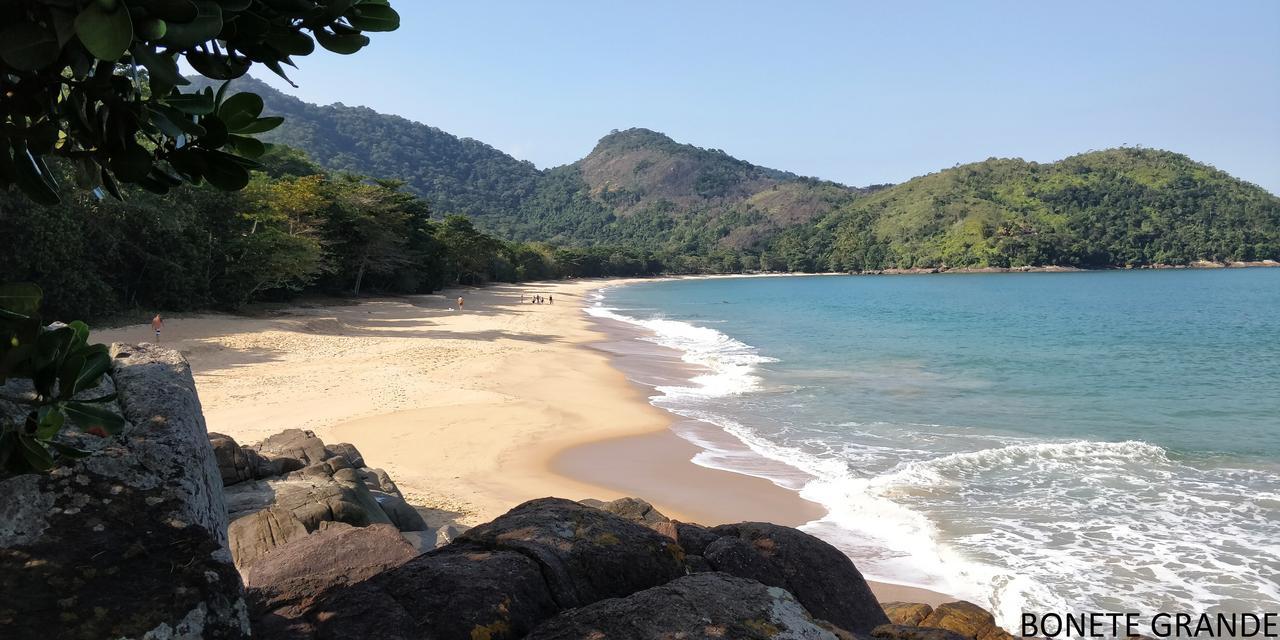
[(539, 299)]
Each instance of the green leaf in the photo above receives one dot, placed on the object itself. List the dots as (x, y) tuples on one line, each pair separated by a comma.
[(21, 299), (261, 125), (28, 47), (87, 416), (240, 110), (373, 17), (69, 451), (106, 34), (196, 104), (163, 68), (223, 171), (51, 421), (345, 44), (247, 147), (204, 27), (34, 453), (34, 178)]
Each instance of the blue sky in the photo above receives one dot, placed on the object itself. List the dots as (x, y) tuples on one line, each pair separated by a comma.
[(859, 93)]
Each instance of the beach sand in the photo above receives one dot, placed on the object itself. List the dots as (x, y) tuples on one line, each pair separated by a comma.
[(471, 411)]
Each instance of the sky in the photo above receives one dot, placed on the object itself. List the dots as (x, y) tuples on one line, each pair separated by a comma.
[(855, 92)]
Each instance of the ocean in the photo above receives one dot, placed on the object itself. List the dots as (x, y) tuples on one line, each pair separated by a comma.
[(1040, 442)]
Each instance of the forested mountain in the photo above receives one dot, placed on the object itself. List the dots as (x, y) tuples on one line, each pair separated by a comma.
[(1117, 207), (636, 186), (702, 209)]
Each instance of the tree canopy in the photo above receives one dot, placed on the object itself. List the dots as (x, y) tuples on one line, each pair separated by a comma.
[(96, 82)]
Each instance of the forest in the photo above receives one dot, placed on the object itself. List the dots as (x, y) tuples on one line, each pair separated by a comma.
[(295, 228)]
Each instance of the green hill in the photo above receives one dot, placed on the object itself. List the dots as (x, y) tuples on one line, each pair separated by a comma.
[(1100, 209), (641, 188)]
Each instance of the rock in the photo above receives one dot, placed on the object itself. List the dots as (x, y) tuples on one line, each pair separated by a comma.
[(694, 538), (429, 538), (912, 632), (585, 554), (633, 509), (405, 517), (300, 445), (348, 451), (335, 555), (906, 613), (456, 592), (233, 464), (268, 513), (822, 578), (129, 542), (966, 619), (378, 480), (706, 605), (257, 534)]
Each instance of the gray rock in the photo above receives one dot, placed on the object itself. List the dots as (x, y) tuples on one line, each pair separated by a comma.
[(703, 606), (633, 509), (268, 513), (300, 445), (822, 578), (586, 554), (378, 480), (138, 528), (233, 464), (456, 592), (348, 451), (405, 517)]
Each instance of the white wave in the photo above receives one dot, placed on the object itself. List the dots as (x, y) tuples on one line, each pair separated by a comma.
[(730, 364)]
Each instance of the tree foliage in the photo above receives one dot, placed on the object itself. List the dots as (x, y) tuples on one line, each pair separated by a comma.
[(96, 82), (62, 371)]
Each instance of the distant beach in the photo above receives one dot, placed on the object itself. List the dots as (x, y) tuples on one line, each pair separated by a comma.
[(471, 411)]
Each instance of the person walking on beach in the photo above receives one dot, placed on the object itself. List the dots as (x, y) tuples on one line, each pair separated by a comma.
[(460, 301), (157, 323), (551, 299)]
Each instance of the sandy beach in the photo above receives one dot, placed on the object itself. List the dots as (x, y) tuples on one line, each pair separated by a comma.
[(471, 411)]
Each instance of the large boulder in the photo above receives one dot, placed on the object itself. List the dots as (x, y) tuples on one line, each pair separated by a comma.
[(233, 465), (378, 480), (272, 513), (404, 516), (348, 451), (459, 591), (966, 619), (633, 509), (300, 445), (290, 577), (906, 613), (586, 554), (822, 578), (129, 542), (702, 606)]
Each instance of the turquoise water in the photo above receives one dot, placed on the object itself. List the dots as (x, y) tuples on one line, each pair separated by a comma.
[(1075, 441)]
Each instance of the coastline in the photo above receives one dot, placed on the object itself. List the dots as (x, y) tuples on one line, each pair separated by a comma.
[(481, 416)]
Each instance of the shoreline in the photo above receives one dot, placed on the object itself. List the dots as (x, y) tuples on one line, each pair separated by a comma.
[(471, 420)]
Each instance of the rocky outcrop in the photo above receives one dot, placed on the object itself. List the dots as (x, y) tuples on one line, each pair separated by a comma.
[(706, 605), (129, 542), (966, 619), (585, 554), (906, 613), (300, 445), (278, 509), (957, 620)]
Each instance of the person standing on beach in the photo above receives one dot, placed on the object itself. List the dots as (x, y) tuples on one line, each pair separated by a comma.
[(551, 299), (157, 323), (460, 303)]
